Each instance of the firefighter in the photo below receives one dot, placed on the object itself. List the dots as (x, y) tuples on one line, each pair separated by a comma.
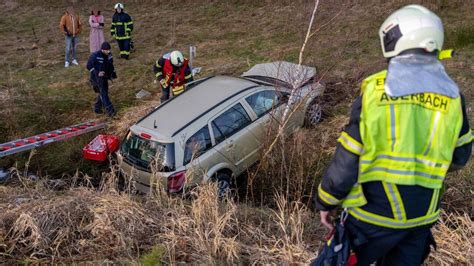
[(101, 68), (407, 129), (122, 27), (172, 71)]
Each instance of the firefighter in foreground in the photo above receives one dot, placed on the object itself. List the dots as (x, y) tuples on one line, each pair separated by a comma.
[(172, 71), (406, 131), (122, 27), (101, 68)]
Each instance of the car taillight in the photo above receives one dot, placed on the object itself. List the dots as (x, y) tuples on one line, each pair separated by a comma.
[(176, 182), (145, 135)]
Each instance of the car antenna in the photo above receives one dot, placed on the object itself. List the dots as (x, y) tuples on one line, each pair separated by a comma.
[(154, 124)]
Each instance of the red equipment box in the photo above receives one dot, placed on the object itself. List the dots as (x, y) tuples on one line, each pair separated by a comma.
[(100, 147)]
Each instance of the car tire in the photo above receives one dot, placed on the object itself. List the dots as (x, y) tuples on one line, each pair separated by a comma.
[(224, 184), (314, 114)]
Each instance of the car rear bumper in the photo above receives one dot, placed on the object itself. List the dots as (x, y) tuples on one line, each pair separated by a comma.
[(142, 180)]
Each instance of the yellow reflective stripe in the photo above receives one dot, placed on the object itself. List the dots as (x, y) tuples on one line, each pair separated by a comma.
[(123, 37), (434, 129), (464, 139), (350, 143), (431, 178), (355, 198), (406, 159), (125, 52), (178, 90), (393, 126), (158, 74), (128, 23), (395, 200), (434, 201), (445, 54), (326, 197), (188, 76), (117, 23), (392, 223)]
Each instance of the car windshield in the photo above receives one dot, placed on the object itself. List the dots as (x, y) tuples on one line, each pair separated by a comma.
[(144, 153)]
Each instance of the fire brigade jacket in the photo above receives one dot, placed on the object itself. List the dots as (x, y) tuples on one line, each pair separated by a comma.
[(122, 26), (169, 75), (393, 156), (99, 62)]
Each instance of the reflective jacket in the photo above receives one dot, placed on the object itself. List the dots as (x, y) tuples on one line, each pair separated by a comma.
[(169, 75), (393, 156), (122, 26)]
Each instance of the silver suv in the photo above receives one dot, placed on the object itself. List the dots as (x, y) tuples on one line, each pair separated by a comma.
[(215, 129)]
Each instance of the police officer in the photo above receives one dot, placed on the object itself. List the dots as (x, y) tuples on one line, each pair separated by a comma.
[(121, 30), (101, 68), (406, 131), (173, 72)]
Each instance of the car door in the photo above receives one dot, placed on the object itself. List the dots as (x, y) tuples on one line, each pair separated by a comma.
[(233, 139)]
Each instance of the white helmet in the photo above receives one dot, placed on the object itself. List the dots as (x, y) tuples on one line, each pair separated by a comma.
[(411, 27), (118, 5), (177, 58)]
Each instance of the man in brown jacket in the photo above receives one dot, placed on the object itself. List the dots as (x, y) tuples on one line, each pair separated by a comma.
[(70, 25)]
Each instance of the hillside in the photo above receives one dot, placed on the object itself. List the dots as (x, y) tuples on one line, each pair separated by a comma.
[(80, 222)]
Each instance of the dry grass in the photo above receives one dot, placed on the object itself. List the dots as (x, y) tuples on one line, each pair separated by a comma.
[(83, 224), (454, 235)]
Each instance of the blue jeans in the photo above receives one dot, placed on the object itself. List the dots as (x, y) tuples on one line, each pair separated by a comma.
[(71, 44), (103, 100)]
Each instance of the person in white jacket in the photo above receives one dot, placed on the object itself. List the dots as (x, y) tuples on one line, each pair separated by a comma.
[(96, 36)]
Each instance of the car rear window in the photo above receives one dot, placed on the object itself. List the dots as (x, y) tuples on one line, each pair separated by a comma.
[(197, 144), (143, 153)]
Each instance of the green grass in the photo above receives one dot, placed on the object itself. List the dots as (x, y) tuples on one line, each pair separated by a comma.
[(153, 257)]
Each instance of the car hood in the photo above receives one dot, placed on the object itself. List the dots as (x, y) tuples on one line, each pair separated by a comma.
[(290, 73)]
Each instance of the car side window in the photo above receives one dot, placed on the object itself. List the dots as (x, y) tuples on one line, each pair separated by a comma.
[(263, 101), (230, 122), (197, 144)]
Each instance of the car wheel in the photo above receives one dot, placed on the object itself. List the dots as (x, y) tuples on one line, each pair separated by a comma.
[(224, 183), (314, 114)]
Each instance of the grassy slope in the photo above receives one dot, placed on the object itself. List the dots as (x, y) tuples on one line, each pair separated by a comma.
[(38, 94)]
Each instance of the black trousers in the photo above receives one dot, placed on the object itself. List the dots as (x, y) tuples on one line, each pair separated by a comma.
[(102, 100), (165, 94), (387, 246), (124, 46)]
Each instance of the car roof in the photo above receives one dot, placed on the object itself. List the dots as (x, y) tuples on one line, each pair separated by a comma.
[(172, 116)]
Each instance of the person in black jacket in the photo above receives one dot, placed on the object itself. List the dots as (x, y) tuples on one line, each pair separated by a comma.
[(101, 68), (122, 27)]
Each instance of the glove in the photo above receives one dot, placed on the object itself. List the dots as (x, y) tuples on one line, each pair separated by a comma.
[(101, 24), (114, 75), (101, 74)]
